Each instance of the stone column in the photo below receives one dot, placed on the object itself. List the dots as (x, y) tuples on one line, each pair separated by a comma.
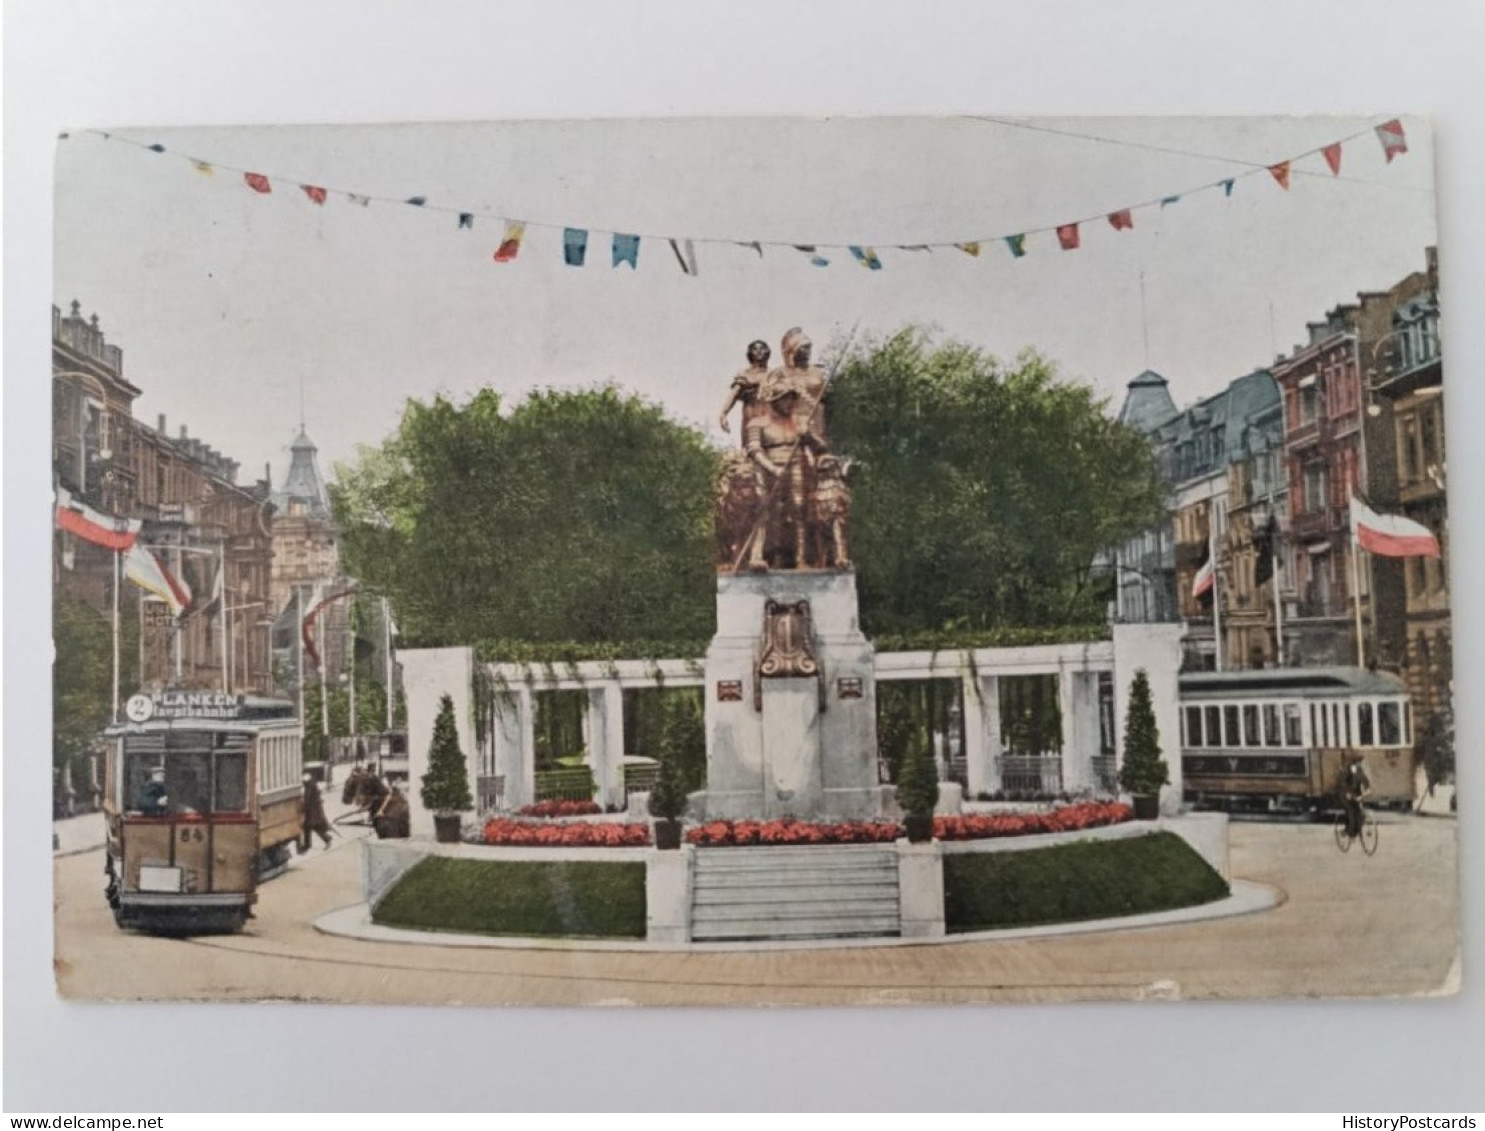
[(1157, 649), (1077, 694), (514, 739), (605, 731), (920, 888), (668, 895), (981, 734), (428, 674)]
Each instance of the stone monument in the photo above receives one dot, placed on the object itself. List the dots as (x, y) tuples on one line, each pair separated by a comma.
[(790, 695)]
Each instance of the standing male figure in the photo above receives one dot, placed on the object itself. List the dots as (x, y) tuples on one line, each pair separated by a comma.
[(746, 386), (314, 816)]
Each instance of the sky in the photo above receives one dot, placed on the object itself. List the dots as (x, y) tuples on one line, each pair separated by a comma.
[(234, 308)]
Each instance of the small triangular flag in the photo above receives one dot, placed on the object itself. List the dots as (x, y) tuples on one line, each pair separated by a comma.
[(1281, 173), (1067, 236), (685, 255), (1017, 244), (971, 248), (1333, 157), (626, 250), (466, 219), (510, 246), (867, 257), (574, 246), (1227, 187), (754, 244), (816, 259), (203, 168), (1167, 201), (156, 148), (314, 192), (1393, 139), (1121, 219), (257, 182), (417, 200)]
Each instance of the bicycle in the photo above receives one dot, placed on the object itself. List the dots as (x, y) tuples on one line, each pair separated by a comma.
[(1368, 836)]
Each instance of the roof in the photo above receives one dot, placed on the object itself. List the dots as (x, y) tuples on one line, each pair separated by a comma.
[(1147, 403), (1298, 683), (303, 483)]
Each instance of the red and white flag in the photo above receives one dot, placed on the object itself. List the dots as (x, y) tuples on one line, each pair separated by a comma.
[(1067, 236), (106, 530), (146, 570), (1393, 139), (1206, 577), (1391, 535)]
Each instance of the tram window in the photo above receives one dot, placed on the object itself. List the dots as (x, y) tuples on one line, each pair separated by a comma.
[(1342, 716), (1214, 726), (1251, 736), (1364, 732), (1389, 724), (139, 769), (1271, 734), (231, 784), (1193, 726), (188, 781), (1292, 728), (1230, 735)]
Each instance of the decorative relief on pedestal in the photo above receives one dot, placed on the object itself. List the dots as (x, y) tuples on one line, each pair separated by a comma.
[(788, 649)]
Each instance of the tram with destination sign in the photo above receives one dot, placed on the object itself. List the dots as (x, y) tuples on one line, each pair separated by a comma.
[(1276, 739), (203, 799)]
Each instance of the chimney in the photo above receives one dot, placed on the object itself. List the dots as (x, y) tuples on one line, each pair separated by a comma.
[(161, 428), (182, 431)]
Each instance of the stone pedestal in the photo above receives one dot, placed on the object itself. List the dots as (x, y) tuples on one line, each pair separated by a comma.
[(797, 747)]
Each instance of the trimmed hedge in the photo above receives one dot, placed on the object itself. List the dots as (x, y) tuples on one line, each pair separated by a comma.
[(526, 898), (1072, 882)]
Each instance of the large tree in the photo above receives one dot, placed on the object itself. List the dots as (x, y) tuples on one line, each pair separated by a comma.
[(982, 492), (579, 516)]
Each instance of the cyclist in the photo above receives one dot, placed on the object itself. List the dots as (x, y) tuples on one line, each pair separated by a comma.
[(1355, 784)]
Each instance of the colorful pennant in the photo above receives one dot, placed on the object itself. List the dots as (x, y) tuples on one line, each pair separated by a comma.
[(204, 168), (867, 257), (1393, 140), (685, 254), (1333, 157), (574, 246), (257, 182), (816, 259), (1227, 187), (1121, 219), (1017, 244), (466, 219), (510, 246), (1067, 236), (970, 248), (314, 192), (626, 250), (1281, 174), (416, 201)]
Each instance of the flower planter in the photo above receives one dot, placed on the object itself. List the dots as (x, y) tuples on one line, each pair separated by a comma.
[(1146, 806), (919, 827), (446, 828), (667, 834)]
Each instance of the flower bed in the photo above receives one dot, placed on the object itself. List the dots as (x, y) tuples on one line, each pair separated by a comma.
[(532, 834), (789, 831), (1067, 819), (547, 809)]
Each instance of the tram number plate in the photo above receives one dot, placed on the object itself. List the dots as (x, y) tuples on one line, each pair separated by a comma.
[(191, 834), (155, 877)]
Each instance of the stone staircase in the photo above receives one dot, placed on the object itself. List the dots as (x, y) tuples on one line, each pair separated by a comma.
[(780, 893)]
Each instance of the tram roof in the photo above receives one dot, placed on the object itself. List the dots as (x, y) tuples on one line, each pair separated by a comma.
[(1298, 683)]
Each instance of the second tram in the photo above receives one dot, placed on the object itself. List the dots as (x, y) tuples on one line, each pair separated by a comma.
[(1276, 739)]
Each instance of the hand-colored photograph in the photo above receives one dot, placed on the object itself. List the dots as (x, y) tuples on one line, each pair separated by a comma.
[(751, 561)]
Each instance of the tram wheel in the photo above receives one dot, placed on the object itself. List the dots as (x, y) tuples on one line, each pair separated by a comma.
[(1342, 837), (1369, 835)]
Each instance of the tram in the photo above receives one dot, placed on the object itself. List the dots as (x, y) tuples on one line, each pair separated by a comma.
[(203, 797), (1275, 740)]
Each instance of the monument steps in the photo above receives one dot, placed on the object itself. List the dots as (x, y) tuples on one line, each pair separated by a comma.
[(824, 891)]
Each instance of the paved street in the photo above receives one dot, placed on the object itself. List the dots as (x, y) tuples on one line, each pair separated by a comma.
[(1348, 925)]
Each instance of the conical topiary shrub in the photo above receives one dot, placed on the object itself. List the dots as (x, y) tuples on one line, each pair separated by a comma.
[(1144, 770), (917, 791), (446, 784)]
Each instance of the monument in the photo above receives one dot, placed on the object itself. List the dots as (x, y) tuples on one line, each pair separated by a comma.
[(790, 695)]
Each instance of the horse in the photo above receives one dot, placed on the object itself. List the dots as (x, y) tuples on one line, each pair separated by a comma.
[(384, 804)]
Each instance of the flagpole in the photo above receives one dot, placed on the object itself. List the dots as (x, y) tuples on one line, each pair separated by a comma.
[(1356, 597), (299, 646), (1216, 589), (387, 651), (222, 609), (350, 627), (1278, 598), (118, 557)]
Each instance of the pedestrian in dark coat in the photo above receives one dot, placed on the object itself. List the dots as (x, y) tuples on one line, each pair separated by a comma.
[(315, 820)]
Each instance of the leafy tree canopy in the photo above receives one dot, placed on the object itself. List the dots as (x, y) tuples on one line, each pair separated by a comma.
[(981, 492), (579, 516)]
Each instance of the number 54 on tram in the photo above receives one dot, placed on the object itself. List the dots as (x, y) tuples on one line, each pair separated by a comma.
[(203, 797)]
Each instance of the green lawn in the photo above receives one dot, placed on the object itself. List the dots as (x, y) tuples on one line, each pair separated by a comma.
[(578, 900), (1094, 879)]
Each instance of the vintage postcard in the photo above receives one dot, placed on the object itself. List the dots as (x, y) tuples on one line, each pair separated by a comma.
[(752, 562)]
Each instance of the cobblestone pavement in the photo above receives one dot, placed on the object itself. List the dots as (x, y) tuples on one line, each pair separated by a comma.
[(1349, 925)]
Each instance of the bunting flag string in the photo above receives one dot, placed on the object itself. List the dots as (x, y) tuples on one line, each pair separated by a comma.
[(1390, 135)]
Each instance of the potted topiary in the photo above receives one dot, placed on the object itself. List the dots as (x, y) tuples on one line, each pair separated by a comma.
[(667, 801), (1144, 771), (446, 784), (917, 792)]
